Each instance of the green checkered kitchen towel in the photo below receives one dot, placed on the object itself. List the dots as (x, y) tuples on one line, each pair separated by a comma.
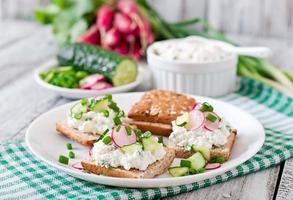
[(25, 177)]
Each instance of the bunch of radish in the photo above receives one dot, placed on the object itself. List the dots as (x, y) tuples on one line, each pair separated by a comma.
[(120, 27)]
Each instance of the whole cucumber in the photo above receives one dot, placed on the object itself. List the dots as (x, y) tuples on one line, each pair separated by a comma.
[(119, 70)]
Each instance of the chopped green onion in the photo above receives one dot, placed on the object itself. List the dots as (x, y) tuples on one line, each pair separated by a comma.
[(71, 154), (138, 132), (118, 128), (217, 159), (160, 140), (107, 139), (128, 130), (117, 120), (103, 134), (206, 107), (84, 102), (69, 146), (192, 171), (108, 96), (146, 134), (114, 107), (185, 163), (63, 159), (106, 113), (201, 170), (211, 117)]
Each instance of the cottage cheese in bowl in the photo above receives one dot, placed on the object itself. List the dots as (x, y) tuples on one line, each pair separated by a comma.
[(193, 65)]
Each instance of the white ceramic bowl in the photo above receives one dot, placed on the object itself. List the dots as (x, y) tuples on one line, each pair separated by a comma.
[(206, 78)]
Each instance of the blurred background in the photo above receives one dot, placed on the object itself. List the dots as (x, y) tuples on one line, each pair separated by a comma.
[(255, 20)]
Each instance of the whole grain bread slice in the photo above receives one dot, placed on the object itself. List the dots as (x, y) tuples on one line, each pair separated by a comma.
[(157, 168), (155, 128), (78, 136), (224, 151)]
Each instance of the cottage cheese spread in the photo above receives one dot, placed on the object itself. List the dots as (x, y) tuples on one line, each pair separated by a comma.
[(200, 137), (92, 122), (110, 156), (191, 49)]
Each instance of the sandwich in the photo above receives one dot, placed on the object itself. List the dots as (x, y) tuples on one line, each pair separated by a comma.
[(157, 109), (129, 153)]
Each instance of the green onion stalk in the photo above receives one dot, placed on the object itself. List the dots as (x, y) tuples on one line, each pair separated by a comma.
[(251, 67)]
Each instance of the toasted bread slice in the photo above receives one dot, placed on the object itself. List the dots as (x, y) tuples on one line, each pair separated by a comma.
[(157, 168), (76, 135), (155, 128), (160, 106), (224, 151)]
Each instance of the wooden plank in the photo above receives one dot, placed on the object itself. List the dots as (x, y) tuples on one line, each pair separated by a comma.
[(285, 190)]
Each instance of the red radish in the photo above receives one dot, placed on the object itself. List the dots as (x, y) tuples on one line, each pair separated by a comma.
[(196, 105), (122, 48), (77, 166), (89, 81), (197, 119), (123, 23), (101, 86), (121, 138), (92, 36), (211, 166), (127, 6), (105, 17), (136, 51), (211, 126), (112, 37)]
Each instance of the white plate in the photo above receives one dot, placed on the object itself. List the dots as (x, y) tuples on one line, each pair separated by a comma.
[(43, 141), (78, 93)]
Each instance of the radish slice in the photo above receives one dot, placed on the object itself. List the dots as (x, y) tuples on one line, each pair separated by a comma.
[(212, 166), (77, 166), (101, 86), (197, 119), (89, 81), (91, 150), (196, 106), (211, 126), (121, 138)]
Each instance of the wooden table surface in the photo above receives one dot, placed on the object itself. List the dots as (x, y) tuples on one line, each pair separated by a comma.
[(25, 46)]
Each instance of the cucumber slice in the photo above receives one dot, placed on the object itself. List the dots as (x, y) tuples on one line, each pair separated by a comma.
[(77, 110), (101, 105), (182, 120), (197, 161), (126, 72), (151, 144), (178, 171), (203, 150), (131, 148)]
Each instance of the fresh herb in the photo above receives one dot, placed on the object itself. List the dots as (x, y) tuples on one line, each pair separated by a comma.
[(105, 113), (84, 102), (71, 154), (206, 107), (103, 134), (138, 132), (201, 170), (69, 146), (146, 134), (211, 118), (114, 107), (217, 159), (192, 171), (107, 139), (63, 159), (117, 120), (128, 130), (161, 140), (185, 163), (118, 128)]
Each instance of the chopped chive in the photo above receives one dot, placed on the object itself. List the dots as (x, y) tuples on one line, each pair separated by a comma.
[(103, 134), (108, 96), (201, 170), (118, 128), (117, 121), (69, 146), (192, 171), (71, 154), (206, 107), (107, 139), (146, 134), (185, 163), (106, 113), (114, 107), (137, 132), (128, 130), (211, 117), (63, 159), (217, 159), (84, 102), (160, 140)]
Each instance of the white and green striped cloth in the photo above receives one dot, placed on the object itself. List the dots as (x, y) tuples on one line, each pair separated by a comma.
[(23, 176)]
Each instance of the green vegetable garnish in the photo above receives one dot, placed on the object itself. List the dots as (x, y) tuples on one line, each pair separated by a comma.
[(118, 128), (192, 171), (103, 134), (160, 140), (201, 170), (107, 139), (63, 159), (117, 120), (217, 159), (128, 130), (206, 107), (69, 146), (211, 117), (185, 163), (138, 132), (114, 107), (84, 102), (71, 154), (146, 134), (106, 113)]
